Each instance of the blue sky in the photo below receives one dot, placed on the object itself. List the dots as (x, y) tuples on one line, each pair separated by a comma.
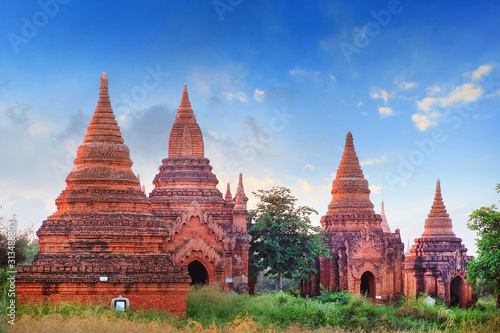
[(275, 86)]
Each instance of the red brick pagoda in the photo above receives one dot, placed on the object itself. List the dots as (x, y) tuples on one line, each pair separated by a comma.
[(365, 256), (104, 240), (207, 232), (437, 262)]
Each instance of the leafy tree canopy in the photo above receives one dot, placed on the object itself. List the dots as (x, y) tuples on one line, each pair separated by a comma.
[(25, 243), (486, 267), (283, 240)]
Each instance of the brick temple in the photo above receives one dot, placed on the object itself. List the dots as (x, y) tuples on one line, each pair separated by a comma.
[(436, 264), (107, 238), (207, 232), (365, 256), (104, 241)]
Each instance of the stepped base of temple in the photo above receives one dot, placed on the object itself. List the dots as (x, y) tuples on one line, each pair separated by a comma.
[(167, 296)]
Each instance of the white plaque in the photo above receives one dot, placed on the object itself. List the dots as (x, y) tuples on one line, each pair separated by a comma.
[(229, 279)]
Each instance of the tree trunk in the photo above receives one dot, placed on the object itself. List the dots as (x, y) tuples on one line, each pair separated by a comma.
[(498, 301), (280, 283)]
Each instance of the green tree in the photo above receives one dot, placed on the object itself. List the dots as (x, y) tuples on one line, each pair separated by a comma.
[(25, 245), (284, 243), (486, 267)]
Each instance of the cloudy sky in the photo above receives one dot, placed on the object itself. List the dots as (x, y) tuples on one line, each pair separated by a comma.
[(275, 86)]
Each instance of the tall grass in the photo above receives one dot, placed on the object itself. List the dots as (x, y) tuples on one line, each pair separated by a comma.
[(211, 310)]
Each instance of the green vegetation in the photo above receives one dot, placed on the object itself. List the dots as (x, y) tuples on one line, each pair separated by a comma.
[(486, 267), (284, 243), (210, 310)]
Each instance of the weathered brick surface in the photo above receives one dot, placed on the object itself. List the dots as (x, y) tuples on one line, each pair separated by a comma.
[(437, 258)]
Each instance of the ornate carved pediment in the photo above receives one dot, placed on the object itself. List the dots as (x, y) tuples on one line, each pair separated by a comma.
[(366, 249), (185, 251), (195, 210)]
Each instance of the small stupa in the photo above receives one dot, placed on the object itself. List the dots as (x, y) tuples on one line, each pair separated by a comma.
[(438, 260)]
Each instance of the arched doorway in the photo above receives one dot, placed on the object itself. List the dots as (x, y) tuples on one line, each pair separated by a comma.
[(367, 286), (198, 273), (457, 291)]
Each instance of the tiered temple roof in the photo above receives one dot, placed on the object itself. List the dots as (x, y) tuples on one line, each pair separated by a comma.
[(186, 175), (350, 208), (438, 236)]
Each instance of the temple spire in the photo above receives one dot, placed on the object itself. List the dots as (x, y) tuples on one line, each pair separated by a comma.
[(240, 200), (228, 196), (384, 224), (103, 126), (185, 112), (185, 103), (186, 139), (438, 222), (350, 190)]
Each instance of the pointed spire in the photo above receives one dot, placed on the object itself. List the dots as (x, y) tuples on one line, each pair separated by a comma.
[(384, 224), (103, 126), (349, 165), (185, 112), (185, 103), (350, 190), (102, 178), (229, 196), (438, 222), (186, 139), (407, 252), (240, 200)]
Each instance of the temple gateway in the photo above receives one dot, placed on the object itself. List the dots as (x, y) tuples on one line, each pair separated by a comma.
[(109, 241)]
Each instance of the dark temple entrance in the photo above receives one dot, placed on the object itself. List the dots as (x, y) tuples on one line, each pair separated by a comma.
[(198, 273), (457, 291), (367, 287)]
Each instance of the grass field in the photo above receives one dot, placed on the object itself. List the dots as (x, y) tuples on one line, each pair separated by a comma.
[(210, 310)]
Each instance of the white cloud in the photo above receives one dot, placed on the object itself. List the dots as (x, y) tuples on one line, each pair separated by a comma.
[(309, 166), (35, 129), (333, 78), (355, 75), (364, 113), (240, 95), (381, 94), (359, 104), (423, 122), (300, 71), (304, 185), (385, 112), (372, 161), (481, 71), (375, 189), (459, 207), (494, 95), (407, 85), (253, 184), (466, 93), (433, 90), (259, 95)]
